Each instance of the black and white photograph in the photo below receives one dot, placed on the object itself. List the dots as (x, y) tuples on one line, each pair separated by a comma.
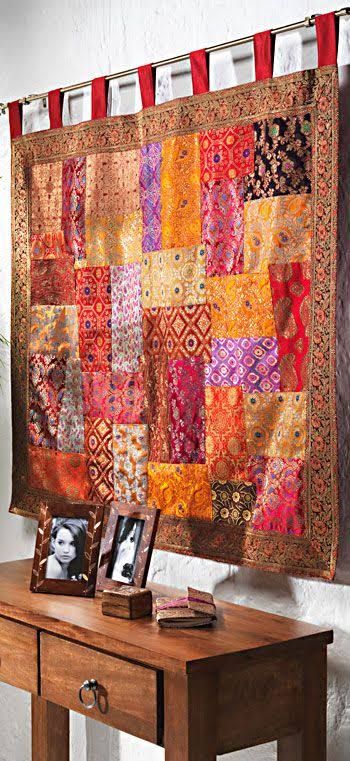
[(67, 548), (127, 543), (67, 543)]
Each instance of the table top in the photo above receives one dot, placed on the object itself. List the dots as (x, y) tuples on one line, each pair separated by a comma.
[(239, 632)]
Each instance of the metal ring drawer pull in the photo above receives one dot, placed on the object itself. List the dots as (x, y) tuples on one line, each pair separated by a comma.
[(90, 685)]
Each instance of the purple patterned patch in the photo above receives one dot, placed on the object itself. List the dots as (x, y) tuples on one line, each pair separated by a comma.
[(251, 363), (151, 159), (73, 205)]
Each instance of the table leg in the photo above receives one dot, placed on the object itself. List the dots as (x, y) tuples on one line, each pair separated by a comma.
[(50, 731), (311, 743), (290, 748), (190, 717)]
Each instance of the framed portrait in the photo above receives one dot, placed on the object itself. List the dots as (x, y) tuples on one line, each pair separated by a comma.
[(67, 548), (127, 546)]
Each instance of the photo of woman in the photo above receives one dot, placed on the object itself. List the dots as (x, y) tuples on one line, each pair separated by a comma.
[(129, 532), (65, 561)]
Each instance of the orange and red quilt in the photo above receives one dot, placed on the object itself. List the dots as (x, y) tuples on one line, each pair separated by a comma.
[(174, 320)]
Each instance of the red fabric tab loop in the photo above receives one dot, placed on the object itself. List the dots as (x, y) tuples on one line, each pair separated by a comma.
[(199, 71), (99, 98), (55, 108), (15, 118), (264, 44), (327, 38), (147, 85)]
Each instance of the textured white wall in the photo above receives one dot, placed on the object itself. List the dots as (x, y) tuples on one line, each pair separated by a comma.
[(49, 44)]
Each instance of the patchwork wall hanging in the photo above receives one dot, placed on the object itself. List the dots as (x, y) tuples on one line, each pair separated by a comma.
[(174, 316)]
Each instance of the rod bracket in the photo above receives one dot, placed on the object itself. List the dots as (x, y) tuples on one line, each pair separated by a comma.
[(308, 21)]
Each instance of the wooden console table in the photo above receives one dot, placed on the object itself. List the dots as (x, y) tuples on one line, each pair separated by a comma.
[(252, 678)]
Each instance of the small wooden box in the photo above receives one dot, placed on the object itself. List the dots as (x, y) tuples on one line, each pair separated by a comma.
[(127, 602)]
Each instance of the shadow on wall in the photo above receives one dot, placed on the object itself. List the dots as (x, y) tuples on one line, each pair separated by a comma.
[(338, 697), (259, 589)]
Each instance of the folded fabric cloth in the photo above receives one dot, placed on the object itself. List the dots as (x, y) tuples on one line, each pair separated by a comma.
[(195, 609)]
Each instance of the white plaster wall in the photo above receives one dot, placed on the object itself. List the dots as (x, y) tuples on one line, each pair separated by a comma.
[(48, 44)]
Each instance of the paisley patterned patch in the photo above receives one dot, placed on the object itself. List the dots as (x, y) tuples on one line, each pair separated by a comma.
[(174, 277), (180, 490), (130, 447), (282, 157)]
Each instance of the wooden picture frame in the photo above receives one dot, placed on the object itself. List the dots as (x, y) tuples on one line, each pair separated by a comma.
[(109, 547), (82, 518)]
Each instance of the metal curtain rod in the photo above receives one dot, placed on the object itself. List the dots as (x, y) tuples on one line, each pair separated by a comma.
[(308, 22)]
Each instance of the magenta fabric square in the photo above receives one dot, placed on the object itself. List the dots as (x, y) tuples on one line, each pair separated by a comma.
[(187, 410), (251, 363), (151, 159), (222, 212), (118, 397), (279, 503)]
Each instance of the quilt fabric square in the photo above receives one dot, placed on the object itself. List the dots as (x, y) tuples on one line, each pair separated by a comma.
[(222, 226), (70, 433), (179, 331), (173, 278), (180, 490), (277, 230), (282, 157), (227, 153), (241, 305), (46, 388), (126, 318), (180, 192), (233, 502), (54, 328), (251, 363), (46, 197), (99, 459), (52, 281), (114, 239), (62, 473), (187, 410), (130, 447), (290, 288), (278, 483), (73, 205), (117, 396), (150, 163), (93, 294), (225, 431), (48, 246)]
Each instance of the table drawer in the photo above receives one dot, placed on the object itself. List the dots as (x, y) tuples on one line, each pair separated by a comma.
[(127, 693), (19, 655)]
